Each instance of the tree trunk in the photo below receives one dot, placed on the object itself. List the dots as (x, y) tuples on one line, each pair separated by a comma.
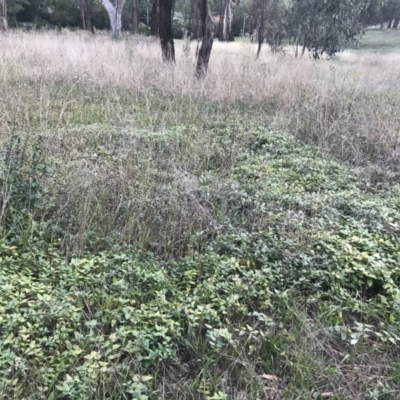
[(261, 29), (135, 17), (88, 15), (83, 15), (86, 12), (390, 24), (115, 13), (165, 28), (154, 19), (207, 27), (194, 29), (396, 23), (254, 36), (226, 21), (3, 16)]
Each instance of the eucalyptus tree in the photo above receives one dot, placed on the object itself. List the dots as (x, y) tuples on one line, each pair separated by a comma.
[(13, 8), (193, 20), (154, 18), (135, 16), (226, 21), (165, 30), (207, 29), (86, 13), (114, 11), (3, 16), (391, 13), (324, 27), (320, 27)]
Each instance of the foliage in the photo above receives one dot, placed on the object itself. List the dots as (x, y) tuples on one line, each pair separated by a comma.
[(275, 25), (323, 27), (144, 29), (178, 26), (15, 6), (390, 10), (294, 228), (64, 13), (23, 168)]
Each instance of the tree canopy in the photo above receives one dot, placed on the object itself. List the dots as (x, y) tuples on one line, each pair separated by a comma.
[(322, 27)]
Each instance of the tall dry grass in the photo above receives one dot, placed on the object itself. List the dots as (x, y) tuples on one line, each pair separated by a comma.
[(127, 137), (349, 105)]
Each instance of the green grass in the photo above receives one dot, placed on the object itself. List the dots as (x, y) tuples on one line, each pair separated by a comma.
[(380, 41)]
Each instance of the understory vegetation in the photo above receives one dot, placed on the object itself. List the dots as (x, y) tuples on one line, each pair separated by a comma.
[(169, 238)]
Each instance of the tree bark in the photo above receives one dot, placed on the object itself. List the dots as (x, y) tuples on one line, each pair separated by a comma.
[(86, 11), (83, 15), (135, 17), (396, 23), (226, 21), (3, 16), (254, 36), (165, 29), (207, 27), (194, 31), (390, 24), (88, 15), (115, 14), (261, 27), (154, 19)]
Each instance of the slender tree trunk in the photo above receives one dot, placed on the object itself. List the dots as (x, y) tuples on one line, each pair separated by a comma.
[(226, 21), (254, 36), (303, 50), (135, 17), (253, 22), (390, 24), (296, 50), (165, 28), (396, 23), (231, 33), (207, 27), (221, 20), (88, 15), (115, 14), (154, 19), (194, 31), (3, 16), (261, 29), (83, 15)]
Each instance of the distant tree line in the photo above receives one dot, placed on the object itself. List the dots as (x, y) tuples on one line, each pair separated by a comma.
[(316, 27), (278, 19)]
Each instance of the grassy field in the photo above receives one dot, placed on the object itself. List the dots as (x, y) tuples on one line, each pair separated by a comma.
[(379, 41), (167, 238)]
